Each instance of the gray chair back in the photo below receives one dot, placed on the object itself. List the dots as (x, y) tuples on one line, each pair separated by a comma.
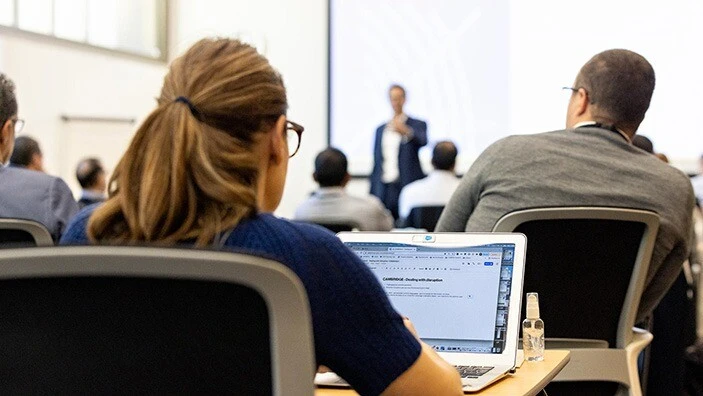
[(425, 217), (23, 233), (589, 265), (108, 320), (338, 226)]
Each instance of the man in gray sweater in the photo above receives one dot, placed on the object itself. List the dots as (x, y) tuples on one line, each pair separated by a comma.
[(26, 194), (591, 163)]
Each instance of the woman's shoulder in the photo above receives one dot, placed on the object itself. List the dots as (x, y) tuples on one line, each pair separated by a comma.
[(291, 242), (294, 229)]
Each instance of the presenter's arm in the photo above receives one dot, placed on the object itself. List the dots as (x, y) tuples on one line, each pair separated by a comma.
[(419, 133), (429, 375)]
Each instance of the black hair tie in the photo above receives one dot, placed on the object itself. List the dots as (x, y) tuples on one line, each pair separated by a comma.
[(193, 110)]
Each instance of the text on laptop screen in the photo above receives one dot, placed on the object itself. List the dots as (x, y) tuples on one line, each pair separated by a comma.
[(457, 297)]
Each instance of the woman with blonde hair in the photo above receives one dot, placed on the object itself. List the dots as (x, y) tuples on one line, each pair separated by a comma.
[(207, 167)]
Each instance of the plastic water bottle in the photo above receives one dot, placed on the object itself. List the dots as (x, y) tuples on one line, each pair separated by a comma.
[(533, 331)]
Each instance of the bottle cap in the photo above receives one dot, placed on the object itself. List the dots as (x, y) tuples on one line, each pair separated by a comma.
[(532, 306)]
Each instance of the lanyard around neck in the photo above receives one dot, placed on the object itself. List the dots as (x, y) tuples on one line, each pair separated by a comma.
[(608, 127)]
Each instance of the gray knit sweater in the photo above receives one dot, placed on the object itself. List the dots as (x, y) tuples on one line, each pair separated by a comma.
[(585, 166)]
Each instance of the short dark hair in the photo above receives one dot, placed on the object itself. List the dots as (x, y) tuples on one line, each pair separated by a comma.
[(8, 101), (444, 155), (396, 86), (87, 172), (620, 84), (25, 148), (330, 167), (643, 143)]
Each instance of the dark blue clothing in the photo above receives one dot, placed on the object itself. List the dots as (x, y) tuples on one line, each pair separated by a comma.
[(357, 332), (409, 168)]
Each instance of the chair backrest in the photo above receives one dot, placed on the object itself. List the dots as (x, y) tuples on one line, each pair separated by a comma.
[(424, 217), (95, 320), (338, 226), (23, 233), (588, 265)]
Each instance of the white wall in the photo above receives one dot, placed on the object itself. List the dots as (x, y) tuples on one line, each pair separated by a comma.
[(53, 79), (668, 36), (293, 36)]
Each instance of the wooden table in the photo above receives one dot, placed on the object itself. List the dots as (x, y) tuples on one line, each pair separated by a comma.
[(528, 380)]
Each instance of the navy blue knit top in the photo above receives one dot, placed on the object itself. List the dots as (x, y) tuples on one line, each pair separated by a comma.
[(357, 332)]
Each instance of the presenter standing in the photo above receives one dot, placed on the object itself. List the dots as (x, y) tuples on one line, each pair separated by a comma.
[(395, 153)]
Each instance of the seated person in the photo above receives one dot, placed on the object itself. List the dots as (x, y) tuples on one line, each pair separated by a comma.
[(331, 203), (26, 194), (91, 176), (646, 144), (27, 154), (643, 142), (590, 163), (437, 187), (208, 166)]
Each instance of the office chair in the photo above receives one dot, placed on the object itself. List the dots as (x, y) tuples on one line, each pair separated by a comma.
[(337, 226), (109, 320), (23, 233), (589, 265), (425, 217)]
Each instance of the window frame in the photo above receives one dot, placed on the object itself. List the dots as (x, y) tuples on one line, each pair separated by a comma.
[(162, 25)]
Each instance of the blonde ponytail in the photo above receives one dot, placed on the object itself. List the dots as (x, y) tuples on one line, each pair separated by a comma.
[(190, 171)]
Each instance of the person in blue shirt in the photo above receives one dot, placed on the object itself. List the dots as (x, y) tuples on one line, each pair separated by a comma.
[(207, 167)]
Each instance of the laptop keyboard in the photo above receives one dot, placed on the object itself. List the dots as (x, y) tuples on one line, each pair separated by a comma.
[(473, 371)]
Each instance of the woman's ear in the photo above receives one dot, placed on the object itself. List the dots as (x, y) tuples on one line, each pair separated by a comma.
[(278, 143)]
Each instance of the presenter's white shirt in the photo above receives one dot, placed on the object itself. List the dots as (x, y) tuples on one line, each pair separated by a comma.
[(433, 190), (333, 204), (390, 144)]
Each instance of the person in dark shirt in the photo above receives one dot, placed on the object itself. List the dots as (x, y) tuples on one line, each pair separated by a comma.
[(27, 154), (91, 176)]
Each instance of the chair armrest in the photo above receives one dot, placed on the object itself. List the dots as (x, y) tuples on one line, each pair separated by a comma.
[(640, 339)]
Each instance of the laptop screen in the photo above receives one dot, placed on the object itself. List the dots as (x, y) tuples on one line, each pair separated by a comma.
[(456, 297)]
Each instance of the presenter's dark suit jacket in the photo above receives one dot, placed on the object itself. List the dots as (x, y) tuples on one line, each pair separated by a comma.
[(408, 160)]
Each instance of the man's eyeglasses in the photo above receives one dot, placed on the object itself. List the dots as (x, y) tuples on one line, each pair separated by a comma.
[(19, 125), (294, 138), (576, 89)]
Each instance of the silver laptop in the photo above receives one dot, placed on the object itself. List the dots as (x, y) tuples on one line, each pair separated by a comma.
[(462, 291)]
